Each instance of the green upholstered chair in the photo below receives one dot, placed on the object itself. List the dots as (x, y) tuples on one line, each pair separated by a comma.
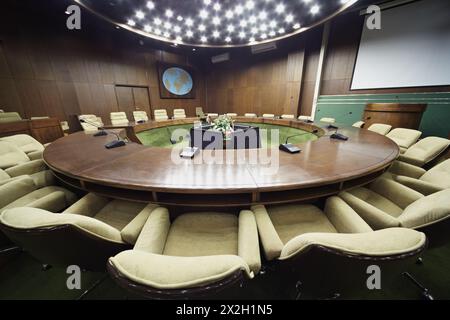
[(327, 252), (27, 144), (426, 182), (380, 128), (404, 138), (424, 151), (86, 234), (198, 254)]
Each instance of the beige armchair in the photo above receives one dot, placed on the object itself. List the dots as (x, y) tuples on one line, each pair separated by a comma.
[(119, 118), (425, 182), (160, 114), (268, 115), (198, 254), (86, 234), (404, 138), (9, 117), (27, 144), (380, 128), (425, 151), (10, 155), (23, 192), (140, 116), (232, 114), (358, 124), (287, 116), (250, 115), (386, 203), (92, 124), (328, 120), (179, 114), (36, 170), (329, 251)]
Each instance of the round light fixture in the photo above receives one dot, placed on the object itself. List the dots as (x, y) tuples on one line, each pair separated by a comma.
[(214, 23)]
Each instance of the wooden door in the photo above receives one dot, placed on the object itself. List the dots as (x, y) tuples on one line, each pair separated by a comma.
[(132, 98)]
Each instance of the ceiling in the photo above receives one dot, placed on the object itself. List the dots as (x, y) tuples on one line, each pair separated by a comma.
[(214, 23)]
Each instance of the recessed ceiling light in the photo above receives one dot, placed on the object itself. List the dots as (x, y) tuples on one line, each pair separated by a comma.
[(230, 28), (203, 14), (315, 9), (177, 29), (289, 18), (279, 8), (216, 34), (203, 39), (250, 4), (147, 28), (140, 15), (216, 6), (239, 9), (216, 20), (202, 27), (229, 14), (180, 18), (227, 39), (189, 34), (296, 26), (207, 2), (131, 22), (157, 21), (189, 22), (150, 5), (169, 13)]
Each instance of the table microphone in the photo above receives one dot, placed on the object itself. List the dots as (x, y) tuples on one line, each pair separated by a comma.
[(104, 132), (340, 136), (289, 147)]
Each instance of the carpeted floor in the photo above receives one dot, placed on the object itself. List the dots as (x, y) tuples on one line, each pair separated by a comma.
[(160, 137), (23, 278)]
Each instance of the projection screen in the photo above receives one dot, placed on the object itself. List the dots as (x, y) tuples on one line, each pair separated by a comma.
[(412, 49)]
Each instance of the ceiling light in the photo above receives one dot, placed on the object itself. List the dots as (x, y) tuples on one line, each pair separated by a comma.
[(216, 6), (216, 34), (167, 25), (289, 18), (147, 28), (207, 2), (140, 15), (189, 22), (180, 18), (202, 27), (252, 19), (315, 9), (167, 34), (177, 29), (229, 14), (272, 33), (250, 4), (281, 30), (157, 31), (296, 26), (203, 39), (241, 34), (230, 28), (279, 8), (216, 20), (254, 30), (252, 39), (189, 34), (179, 39), (262, 15), (169, 13), (203, 14), (243, 23), (150, 5), (239, 9), (263, 36), (131, 22), (263, 27), (227, 39), (157, 21), (273, 24)]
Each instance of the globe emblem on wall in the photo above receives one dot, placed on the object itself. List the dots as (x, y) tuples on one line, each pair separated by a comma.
[(177, 81)]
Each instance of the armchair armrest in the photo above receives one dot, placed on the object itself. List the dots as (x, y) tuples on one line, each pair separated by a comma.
[(15, 189), (153, 236), (89, 205), (132, 230), (376, 218), (424, 187), (270, 239), (343, 217), (410, 160), (405, 169), (248, 244), (395, 192), (27, 168), (35, 155), (386, 242)]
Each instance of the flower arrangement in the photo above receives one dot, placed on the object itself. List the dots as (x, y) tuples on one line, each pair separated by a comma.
[(224, 124)]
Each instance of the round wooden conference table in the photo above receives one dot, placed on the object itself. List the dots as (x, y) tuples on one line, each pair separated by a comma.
[(233, 178)]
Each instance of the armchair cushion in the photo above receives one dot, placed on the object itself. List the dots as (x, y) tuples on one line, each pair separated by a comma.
[(438, 175), (423, 187), (404, 138), (24, 142), (31, 218), (425, 150), (380, 128), (187, 236), (343, 217), (395, 192), (169, 272), (154, 233), (15, 189), (405, 169), (390, 241), (427, 210)]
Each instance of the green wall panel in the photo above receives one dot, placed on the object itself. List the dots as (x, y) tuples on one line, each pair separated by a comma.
[(435, 120)]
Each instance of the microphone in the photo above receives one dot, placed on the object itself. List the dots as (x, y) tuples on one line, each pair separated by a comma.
[(289, 147), (104, 132), (340, 136)]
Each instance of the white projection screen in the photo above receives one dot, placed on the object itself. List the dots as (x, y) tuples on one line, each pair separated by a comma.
[(412, 49)]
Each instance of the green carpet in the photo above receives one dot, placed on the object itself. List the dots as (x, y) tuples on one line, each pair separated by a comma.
[(160, 137), (23, 278)]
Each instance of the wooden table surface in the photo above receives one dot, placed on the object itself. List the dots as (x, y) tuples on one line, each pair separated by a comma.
[(141, 173)]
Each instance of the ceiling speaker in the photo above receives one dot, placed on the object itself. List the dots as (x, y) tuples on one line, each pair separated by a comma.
[(260, 48), (220, 58)]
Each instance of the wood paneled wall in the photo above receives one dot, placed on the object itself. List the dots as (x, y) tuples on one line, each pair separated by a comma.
[(49, 71), (261, 84)]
